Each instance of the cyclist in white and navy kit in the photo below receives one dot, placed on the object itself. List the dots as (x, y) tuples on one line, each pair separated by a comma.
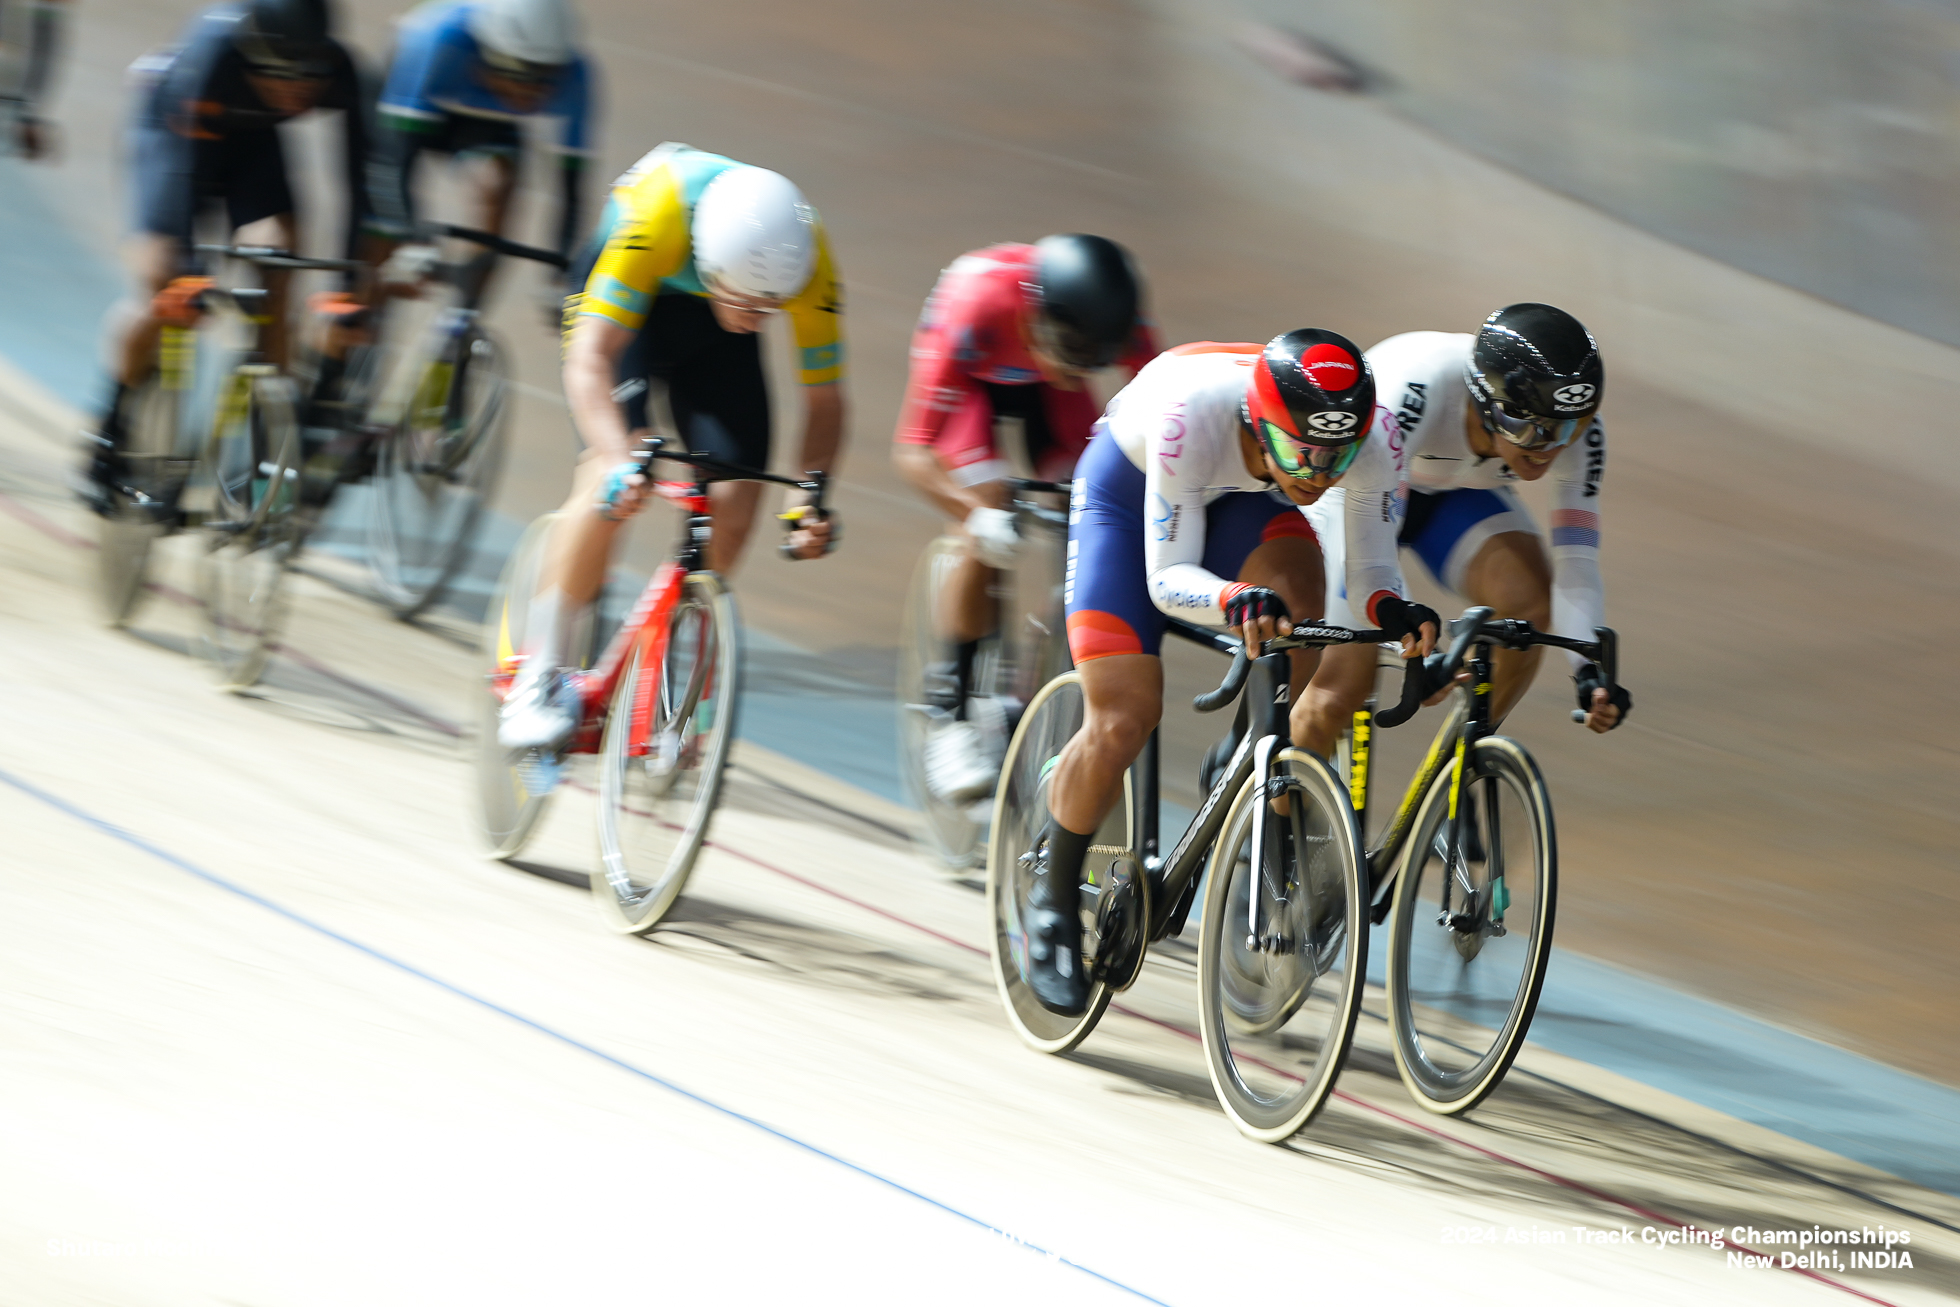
[(1207, 493), (1474, 415)]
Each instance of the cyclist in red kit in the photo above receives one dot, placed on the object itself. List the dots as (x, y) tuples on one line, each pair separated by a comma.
[(1010, 331)]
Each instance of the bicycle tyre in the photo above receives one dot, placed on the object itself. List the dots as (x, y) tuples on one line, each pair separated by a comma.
[(1440, 1033), (433, 472), (513, 787), (957, 832), (1275, 1047), (1020, 811), (134, 523), (655, 808), (251, 467)]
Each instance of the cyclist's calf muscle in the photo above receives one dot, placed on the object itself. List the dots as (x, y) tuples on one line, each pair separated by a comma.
[(1511, 574)]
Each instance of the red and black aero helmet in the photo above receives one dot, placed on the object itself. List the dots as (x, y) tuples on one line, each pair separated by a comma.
[(1311, 401)]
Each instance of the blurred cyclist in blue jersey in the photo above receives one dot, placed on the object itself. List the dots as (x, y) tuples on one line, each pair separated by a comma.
[(206, 136), (465, 75)]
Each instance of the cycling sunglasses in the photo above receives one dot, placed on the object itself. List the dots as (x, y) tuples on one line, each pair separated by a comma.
[(1529, 430), (520, 70), (1074, 350), (1304, 458)]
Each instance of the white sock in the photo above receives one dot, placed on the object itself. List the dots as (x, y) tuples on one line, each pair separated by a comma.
[(547, 633)]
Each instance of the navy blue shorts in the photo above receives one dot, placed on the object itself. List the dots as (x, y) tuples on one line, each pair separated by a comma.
[(1447, 529), (1108, 592)]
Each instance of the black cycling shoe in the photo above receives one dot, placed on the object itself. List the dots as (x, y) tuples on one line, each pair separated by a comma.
[(1055, 971)]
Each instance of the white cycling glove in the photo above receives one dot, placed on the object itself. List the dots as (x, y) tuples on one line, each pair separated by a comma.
[(996, 542)]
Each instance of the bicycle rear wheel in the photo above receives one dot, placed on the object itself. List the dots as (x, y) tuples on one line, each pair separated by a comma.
[(1278, 1012), (251, 463), (956, 831), (1462, 987), (512, 785), (1020, 812), (662, 757), (136, 520), (433, 472)]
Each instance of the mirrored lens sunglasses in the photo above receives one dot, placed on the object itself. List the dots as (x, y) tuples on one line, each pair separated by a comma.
[(1304, 458)]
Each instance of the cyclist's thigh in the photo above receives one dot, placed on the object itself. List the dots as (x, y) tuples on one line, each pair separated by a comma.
[(715, 385), (1240, 523), (1450, 530), (1107, 592), (252, 178)]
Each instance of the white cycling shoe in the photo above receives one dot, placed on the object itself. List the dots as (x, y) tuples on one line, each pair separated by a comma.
[(541, 710), (963, 757)]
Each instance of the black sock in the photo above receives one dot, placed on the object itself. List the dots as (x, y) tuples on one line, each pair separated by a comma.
[(963, 657), (1067, 851)]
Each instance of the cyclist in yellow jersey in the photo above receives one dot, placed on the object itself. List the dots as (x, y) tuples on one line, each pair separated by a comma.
[(693, 254)]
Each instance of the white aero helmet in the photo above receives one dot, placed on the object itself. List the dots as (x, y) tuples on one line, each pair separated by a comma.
[(534, 32), (754, 234)]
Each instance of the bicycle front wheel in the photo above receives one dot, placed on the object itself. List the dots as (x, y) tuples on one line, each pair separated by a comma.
[(1472, 928), (1283, 953), (662, 756), (1020, 813), (252, 464), (433, 472)]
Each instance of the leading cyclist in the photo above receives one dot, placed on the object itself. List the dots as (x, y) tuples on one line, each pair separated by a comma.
[(1009, 331), (1477, 414), (207, 133), (693, 254), (1200, 471)]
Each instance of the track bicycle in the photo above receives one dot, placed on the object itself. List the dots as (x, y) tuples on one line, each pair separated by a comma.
[(235, 480), (1283, 935), (1028, 647), (1466, 870), (658, 706), (419, 417)]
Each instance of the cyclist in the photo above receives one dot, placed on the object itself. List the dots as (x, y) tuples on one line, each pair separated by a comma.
[(1009, 331), (206, 133), (693, 254), (464, 74), (30, 40), (1188, 504), (1475, 415)]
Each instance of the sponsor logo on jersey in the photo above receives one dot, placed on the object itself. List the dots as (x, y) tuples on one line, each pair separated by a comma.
[(1414, 400), (1330, 367), (1595, 458), (1575, 396), (1164, 517), (1332, 420)]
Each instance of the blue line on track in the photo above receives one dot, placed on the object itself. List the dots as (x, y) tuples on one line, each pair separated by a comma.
[(299, 919)]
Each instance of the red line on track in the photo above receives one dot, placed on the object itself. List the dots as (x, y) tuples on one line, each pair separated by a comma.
[(64, 536)]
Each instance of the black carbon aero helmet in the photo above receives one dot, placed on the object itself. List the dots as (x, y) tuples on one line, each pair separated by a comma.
[(1311, 402), (1535, 376), (287, 38), (1090, 297)]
